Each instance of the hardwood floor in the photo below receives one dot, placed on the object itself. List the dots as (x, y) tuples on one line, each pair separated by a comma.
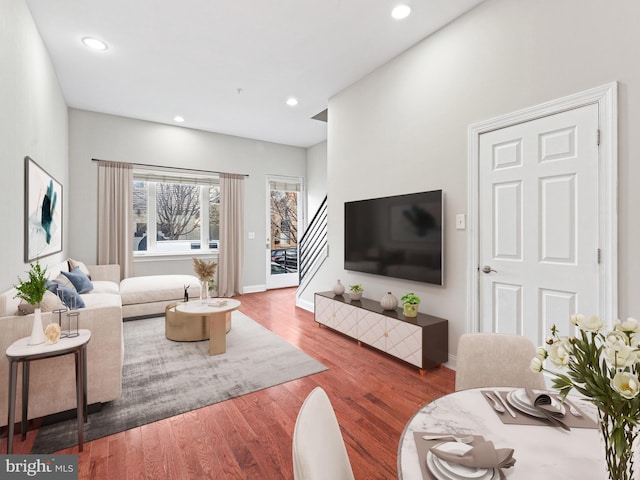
[(249, 437)]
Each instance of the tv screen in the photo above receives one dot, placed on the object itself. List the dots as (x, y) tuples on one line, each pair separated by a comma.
[(399, 236)]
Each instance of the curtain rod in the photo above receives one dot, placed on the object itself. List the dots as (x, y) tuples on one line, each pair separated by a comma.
[(194, 170)]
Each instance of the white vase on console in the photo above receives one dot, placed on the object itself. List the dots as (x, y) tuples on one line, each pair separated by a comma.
[(389, 302), (37, 332)]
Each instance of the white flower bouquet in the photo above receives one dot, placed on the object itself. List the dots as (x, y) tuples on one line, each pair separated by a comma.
[(604, 368)]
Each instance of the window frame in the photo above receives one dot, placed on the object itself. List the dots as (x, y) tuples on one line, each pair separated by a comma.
[(204, 183)]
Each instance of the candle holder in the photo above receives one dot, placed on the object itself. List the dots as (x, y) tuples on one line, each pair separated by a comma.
[(73, 317), (59, 312), (71, 305)]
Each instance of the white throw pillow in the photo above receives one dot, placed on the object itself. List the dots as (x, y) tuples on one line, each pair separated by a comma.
[(49, 303), (77, 263), (64, 281)]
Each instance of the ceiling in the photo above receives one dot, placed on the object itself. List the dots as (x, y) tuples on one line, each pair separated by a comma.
[(228, 66)]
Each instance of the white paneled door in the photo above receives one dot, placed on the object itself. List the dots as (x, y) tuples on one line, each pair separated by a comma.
[(538, 223)]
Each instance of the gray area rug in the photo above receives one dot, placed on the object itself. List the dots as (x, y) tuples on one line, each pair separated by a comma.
[(162, 378)]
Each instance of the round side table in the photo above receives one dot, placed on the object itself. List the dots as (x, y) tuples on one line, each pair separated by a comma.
[(19, 351)]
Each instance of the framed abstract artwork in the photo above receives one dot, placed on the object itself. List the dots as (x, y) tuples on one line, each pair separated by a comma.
[(43, 212)]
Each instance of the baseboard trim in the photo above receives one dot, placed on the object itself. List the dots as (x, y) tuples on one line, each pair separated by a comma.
[(305, 304), (254, 289)]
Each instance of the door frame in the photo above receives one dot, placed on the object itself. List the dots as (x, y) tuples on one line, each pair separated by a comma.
[(269, 283), (606, 96)]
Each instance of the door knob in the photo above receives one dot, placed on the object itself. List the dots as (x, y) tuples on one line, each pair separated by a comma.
[(488, 269)]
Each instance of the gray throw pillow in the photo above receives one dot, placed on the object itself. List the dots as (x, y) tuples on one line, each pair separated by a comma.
[(77, 263), (69, 296), (79, 280)]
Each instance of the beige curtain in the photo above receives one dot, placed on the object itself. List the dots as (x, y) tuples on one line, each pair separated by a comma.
[(115, 210), (231, 234)]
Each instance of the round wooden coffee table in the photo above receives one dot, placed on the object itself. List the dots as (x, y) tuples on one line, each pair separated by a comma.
[(201, 320)]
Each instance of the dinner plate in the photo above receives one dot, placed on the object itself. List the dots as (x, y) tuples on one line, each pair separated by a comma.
[(436, 470), (440, 474), (523, 406), (444, 470), (520, 400)]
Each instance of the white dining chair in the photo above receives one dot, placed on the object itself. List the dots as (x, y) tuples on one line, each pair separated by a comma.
[(496, 360), (318, 447)]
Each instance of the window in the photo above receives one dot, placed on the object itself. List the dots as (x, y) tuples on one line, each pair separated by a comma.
[(181, 213)]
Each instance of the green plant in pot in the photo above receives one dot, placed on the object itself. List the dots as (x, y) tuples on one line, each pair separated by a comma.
[(410, 303), (32, 291), (355, 291)]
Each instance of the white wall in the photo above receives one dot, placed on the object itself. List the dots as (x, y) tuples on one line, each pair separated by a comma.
[(316, 177), (33, 122), (108, 137), (403, 128)]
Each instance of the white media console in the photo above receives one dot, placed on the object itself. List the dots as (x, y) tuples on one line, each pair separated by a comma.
[(422, 341)]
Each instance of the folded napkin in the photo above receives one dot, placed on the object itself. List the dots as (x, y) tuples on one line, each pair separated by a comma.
[(483, 455), (544, 404)]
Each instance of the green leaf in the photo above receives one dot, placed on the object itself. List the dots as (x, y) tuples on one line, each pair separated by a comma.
[(32, 290)]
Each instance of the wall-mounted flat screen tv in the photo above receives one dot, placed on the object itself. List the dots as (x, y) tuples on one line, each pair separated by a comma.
[(398, 236)]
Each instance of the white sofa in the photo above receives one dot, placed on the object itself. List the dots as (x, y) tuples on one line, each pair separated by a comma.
[(149, 295), (105, 306), (52, 381)]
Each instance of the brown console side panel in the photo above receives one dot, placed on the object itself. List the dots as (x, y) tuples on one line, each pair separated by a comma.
[(435, 344)]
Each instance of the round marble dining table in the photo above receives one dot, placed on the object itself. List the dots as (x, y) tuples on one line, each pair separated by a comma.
[(540, 451)]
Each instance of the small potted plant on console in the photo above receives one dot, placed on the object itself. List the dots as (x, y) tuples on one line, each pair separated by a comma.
[(410, 304), (355, 291)]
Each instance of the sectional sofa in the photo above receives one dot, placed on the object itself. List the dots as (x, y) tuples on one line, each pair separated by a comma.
[(52, 381)]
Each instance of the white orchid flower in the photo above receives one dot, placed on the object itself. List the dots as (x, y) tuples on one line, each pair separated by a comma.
[(560, 352), (536, 365), (620, 356), (616, 338), (630, 325), (626, 384), (590, 324), (576, 319)]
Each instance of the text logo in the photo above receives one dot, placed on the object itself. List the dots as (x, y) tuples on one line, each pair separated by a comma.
[(50, 467)]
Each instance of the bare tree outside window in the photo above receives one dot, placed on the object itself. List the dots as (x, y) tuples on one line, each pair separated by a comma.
[(178, 210), (284, 205), (284, 217), (178, 217), (214, 212)]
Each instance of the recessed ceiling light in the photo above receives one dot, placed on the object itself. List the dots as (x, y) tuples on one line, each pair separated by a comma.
[(401, 11), (292, 102), (178, 119), (94, 43)]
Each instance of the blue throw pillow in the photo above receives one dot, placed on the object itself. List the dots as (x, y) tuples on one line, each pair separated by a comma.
[(79, 280), (68, 295)]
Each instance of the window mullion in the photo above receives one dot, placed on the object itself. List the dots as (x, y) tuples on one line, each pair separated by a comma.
[(152, 225), (204, 218)]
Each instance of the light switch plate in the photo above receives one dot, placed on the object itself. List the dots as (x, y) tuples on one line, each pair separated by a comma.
[(460, 221), (252, 235)]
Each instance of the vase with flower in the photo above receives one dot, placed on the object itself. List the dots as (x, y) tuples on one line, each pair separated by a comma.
[(32, 291), (604, 367), (205, 272)]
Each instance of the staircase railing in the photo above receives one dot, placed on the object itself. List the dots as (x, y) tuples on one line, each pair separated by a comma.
[(313, 243)]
